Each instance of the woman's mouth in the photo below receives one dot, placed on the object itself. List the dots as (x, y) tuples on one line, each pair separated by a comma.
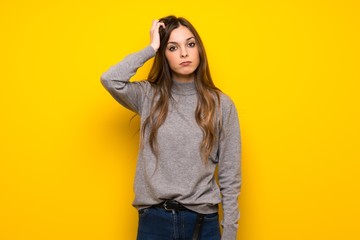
[(186, 63)]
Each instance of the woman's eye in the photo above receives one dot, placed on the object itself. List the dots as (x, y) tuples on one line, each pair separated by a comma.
[(172, 48), (192, 44)]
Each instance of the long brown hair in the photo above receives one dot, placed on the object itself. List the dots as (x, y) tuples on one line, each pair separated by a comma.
[(160, 77)]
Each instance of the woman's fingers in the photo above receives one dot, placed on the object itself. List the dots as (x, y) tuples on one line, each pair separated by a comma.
[(161, 24), (153, 26), (154, 34)]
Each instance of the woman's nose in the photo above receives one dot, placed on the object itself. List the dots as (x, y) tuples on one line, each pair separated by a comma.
[(184, 53)]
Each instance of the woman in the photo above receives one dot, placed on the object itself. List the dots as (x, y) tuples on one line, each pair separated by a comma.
[(188, 128)]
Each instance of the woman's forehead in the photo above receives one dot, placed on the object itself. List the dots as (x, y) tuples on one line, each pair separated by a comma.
[(180, 34)]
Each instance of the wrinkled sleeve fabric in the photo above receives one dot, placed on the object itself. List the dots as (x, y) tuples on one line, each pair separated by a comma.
[(116, 80), (229, 174)]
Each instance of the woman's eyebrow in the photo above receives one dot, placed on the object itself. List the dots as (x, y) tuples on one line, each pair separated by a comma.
[(185, 41)]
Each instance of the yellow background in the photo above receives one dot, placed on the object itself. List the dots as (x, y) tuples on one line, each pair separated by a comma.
[(68, 150)]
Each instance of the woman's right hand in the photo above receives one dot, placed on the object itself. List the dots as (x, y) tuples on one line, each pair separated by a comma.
[(154, 34)]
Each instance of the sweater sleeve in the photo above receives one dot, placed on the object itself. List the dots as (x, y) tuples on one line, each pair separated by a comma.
[(230, 170), (116, 79)]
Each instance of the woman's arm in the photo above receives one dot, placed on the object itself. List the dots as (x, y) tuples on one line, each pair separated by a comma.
[(116, 79), (230, 169)]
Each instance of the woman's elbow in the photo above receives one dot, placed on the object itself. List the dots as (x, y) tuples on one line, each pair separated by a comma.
[(105, 80)]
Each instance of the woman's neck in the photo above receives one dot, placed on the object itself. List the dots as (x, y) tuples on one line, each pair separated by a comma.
[(183, 88)]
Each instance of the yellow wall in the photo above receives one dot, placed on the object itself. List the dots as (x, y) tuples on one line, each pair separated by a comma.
[(68, 151)]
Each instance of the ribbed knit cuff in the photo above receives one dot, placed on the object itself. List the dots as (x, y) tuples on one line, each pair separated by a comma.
[(229, 233)]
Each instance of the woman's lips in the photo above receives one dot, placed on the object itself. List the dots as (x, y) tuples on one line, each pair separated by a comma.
[(186, 63)]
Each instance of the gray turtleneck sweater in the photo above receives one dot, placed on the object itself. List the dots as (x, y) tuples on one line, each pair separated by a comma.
[(178, 172)]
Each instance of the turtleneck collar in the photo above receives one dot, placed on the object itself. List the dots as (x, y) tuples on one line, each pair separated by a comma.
[(183, 88)]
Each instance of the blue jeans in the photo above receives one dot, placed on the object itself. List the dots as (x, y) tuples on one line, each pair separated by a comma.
[(158, 224)]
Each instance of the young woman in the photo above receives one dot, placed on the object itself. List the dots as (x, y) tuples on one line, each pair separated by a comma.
[(188, 128)]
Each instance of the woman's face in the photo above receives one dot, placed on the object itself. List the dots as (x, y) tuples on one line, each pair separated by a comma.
[(182, 54)]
